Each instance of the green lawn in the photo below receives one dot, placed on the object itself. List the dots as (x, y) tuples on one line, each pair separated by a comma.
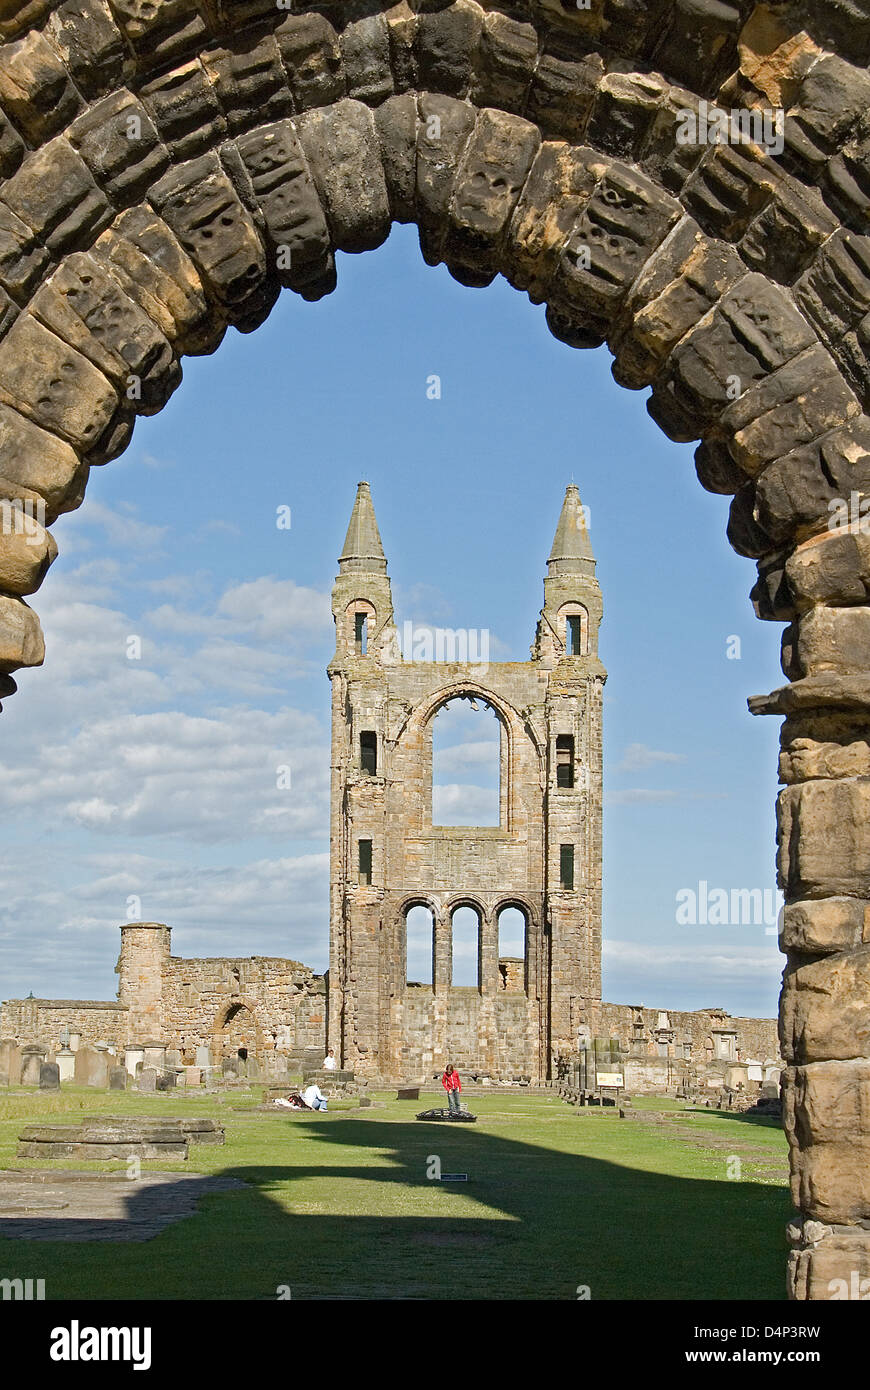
[(340, 1206)]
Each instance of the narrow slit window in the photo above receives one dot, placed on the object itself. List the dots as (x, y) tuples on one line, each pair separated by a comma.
[(368, 752), (565, 760), (573, 636), (361, 633), (566, 866), (365, 862)]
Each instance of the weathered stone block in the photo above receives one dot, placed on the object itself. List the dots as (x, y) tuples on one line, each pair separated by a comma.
[(202, 208), (828, 639), (828, 1262), (365, 52), (86, 307), (21, 640), (729, 187), (311, 54), (625, 108), (824, 839), (825, 925), (40, 463), (55, 194), (396, 127), (494, 167), (560, 182), (186, 111), (54, 385), (833, 567), (154, 270), (446, 47), (795, 404), (796, 491), (676, 290), (159, 30), (118, 141), (621, 225), (23, 258), (445, 126), (561, 93), (341, 147), (826, 1108), (35, 89), (505, 60), (26, 548), (286, 194), (89, 42), (825, 1007), (250, 83)]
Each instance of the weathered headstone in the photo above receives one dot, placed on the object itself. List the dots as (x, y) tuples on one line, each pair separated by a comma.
[(147, 1079), (91, 1067), (155, 1055), (66, 1062), (10, 1063), (49, 1077), (166, 1079), (134, 1057), (118, 1079), (32, 1058), (203, 1057)]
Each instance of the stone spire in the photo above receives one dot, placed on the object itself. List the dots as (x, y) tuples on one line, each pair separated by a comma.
[(572, 549), (362, 551)]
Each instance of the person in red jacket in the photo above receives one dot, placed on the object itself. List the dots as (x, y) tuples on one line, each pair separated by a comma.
[(452, 1085)]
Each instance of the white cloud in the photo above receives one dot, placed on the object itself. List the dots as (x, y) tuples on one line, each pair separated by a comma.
[(639, 756)]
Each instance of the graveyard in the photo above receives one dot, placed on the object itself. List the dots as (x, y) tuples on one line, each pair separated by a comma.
[(557, 1202)]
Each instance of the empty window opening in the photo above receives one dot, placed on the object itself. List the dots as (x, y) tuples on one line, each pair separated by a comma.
[(365, 862), (511, 950), (466, 947), (361, 633), (573, 636), (566, 866), (466, 764), (419, 945), (368, 752), (565, 760)]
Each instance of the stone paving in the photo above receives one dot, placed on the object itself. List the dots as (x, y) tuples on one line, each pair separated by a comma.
[(73, 1206)]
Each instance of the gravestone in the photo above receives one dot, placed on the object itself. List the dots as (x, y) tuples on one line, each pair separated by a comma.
[(155, 1055), (203, 1057), (66, 1062), (32, 1058), (49, 1077), (118, 1079), (192, 1076), (166, 1079), (91, 1067), (134, 1057), (10, 1063), (147, 1079)]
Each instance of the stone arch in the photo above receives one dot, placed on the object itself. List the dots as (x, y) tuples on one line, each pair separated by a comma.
[(236, 1027), (167, 169)]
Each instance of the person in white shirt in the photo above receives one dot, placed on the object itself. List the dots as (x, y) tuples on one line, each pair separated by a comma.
[(329, 1062), (314, 1097)]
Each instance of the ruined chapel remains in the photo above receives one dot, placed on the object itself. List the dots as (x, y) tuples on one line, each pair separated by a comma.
[(527, 1015), (166, 168)]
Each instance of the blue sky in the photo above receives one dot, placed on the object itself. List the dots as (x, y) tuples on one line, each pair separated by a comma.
[(155, 778)]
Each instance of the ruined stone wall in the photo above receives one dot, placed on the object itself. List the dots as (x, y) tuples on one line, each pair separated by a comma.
[(270, 1003), (43, 1021), (700, 1036)]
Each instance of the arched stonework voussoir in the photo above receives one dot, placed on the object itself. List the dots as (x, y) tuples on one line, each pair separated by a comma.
[(166, 168)]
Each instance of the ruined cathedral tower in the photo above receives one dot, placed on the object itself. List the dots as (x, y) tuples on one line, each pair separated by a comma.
[(387, 856)]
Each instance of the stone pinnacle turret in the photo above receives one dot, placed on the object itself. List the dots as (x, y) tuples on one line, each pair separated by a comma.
[(362, 550), (571, 552)]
